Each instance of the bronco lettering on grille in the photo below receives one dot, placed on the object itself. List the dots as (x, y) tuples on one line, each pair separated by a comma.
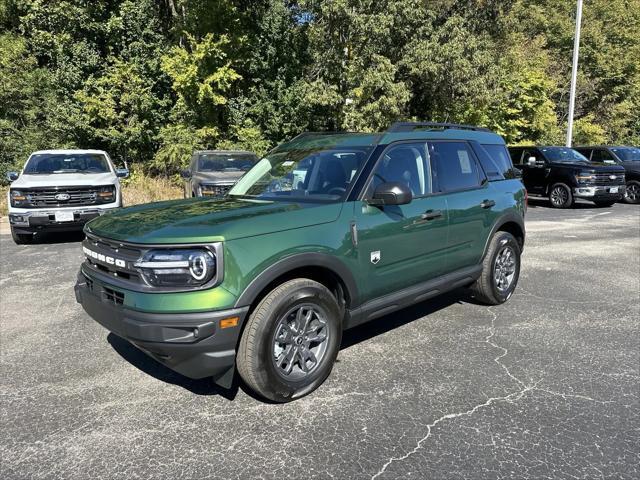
[(104, 258)]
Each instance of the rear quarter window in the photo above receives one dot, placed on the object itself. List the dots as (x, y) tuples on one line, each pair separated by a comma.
[(501, 159)]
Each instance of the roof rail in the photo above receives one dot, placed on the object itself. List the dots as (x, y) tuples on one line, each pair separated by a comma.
[(308, 134), (410, 126)]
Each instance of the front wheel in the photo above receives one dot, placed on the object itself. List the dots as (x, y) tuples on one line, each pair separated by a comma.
[(632, 192), (500, 270), (291, 341), (560, 196), (21, 238)]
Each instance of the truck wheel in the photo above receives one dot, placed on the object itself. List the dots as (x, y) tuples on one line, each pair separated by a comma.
[(500, 270), (603, 203), (21, 238), (632, 193), (291, 341), (560, 196)]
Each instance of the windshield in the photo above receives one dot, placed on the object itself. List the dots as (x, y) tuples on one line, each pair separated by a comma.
[(563, 155), (627, 154), (47, 163), (217, 162), (305, 174)]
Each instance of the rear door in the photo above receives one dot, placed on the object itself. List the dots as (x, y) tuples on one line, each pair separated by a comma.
[(459, 179), (401, 245)]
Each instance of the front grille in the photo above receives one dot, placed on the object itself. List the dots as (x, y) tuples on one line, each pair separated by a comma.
[(112, 296), (216, 190), (110, 249), (604, 178), (77, 196)]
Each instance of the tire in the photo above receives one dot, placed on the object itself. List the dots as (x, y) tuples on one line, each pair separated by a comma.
[(486, 289), (560, 196), (263, 359), (603, 203), (632, 193), (21, 238)]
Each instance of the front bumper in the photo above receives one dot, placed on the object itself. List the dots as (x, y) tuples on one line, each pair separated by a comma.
[(192, 344), (612, 192), (31, 221)]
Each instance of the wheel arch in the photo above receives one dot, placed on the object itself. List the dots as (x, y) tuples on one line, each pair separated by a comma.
[(323, 268), (511, 223)]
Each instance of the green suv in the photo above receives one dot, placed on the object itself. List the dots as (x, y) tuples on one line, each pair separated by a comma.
[(326, 232)]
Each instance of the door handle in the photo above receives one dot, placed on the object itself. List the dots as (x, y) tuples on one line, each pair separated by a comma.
[(431, 214), (488, 203)]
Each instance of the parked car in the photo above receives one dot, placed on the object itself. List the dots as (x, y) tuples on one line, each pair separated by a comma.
[(562, 174), (62, 190), (213, 172), (324, 233), (627, 157)]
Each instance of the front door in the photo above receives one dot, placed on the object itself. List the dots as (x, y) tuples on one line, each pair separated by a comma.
[(534, 171), (401, 245)]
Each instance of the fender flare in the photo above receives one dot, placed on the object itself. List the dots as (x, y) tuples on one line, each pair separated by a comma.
[(508, 217), (300, 260)]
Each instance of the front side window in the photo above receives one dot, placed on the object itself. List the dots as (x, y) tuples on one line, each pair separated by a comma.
[(404, 163), (50, 163), (221, 162), (563, 155), (315, 173), (454, 166), (602, 155), (627, 154)]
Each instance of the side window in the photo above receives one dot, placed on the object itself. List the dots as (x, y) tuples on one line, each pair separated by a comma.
[(405, 163), (587, 152), (454, 166), (516, 155), (602, 155)]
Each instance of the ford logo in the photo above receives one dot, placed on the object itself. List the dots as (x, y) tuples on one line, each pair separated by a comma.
[(62, 197), (612, 177)]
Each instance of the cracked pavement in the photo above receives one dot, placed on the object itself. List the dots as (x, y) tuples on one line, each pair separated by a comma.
[(545, 386)]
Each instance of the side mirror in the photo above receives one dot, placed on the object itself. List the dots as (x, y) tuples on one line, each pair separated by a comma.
[(531, 161), (12, 176), (392, 193), (186, 174), (122, 172)]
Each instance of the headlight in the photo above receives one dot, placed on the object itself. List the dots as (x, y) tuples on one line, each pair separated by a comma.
[(18, 198), (585, 177), (191, 267), (106, 194)]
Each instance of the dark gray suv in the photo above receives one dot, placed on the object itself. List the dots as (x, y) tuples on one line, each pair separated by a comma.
[(213, 172)]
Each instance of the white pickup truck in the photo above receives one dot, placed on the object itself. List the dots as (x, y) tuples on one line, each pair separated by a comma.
[(62, 190)]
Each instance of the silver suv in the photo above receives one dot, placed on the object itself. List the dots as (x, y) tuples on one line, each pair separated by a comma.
[(213, 172), (62, 190)]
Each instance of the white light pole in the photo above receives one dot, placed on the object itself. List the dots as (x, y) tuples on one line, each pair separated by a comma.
[(574, 74)]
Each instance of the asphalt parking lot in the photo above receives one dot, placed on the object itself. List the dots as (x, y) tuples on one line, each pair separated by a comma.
[(545, 386)]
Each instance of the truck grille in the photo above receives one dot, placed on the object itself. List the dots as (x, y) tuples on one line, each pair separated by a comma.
[(67, 196), (215, 190), (605, 178)]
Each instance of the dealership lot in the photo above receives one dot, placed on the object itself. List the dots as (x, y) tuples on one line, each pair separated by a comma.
[(546, 385)]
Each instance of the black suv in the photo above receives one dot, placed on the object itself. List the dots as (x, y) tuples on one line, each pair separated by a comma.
[(627, 157), (562, 174)]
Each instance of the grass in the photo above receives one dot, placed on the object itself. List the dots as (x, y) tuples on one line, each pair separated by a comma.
[(138, 189)]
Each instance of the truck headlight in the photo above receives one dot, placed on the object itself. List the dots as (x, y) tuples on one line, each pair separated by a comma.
[(18, 198), (189, 267), (106, 194)]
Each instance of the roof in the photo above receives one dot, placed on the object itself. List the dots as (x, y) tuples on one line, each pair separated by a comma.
[(230, 152), (68, 152)]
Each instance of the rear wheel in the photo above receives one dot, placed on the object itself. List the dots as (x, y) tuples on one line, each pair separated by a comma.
[(291, 341), (560, 196), (632, 193), (500, 270), (21, 238)]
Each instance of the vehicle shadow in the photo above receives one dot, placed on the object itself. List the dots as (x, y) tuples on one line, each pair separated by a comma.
[(351, 337), (58, 237), (545, 204)]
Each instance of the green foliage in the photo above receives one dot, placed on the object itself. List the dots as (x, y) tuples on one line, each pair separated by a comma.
[(150, 81)]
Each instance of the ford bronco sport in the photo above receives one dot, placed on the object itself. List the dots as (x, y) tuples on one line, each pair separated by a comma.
[(62, 190), (326, 232), (562, 174)]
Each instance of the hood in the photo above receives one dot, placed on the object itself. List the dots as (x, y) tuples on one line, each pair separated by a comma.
[(228, 176), (199, 220), (593, 167), (63, 180)]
